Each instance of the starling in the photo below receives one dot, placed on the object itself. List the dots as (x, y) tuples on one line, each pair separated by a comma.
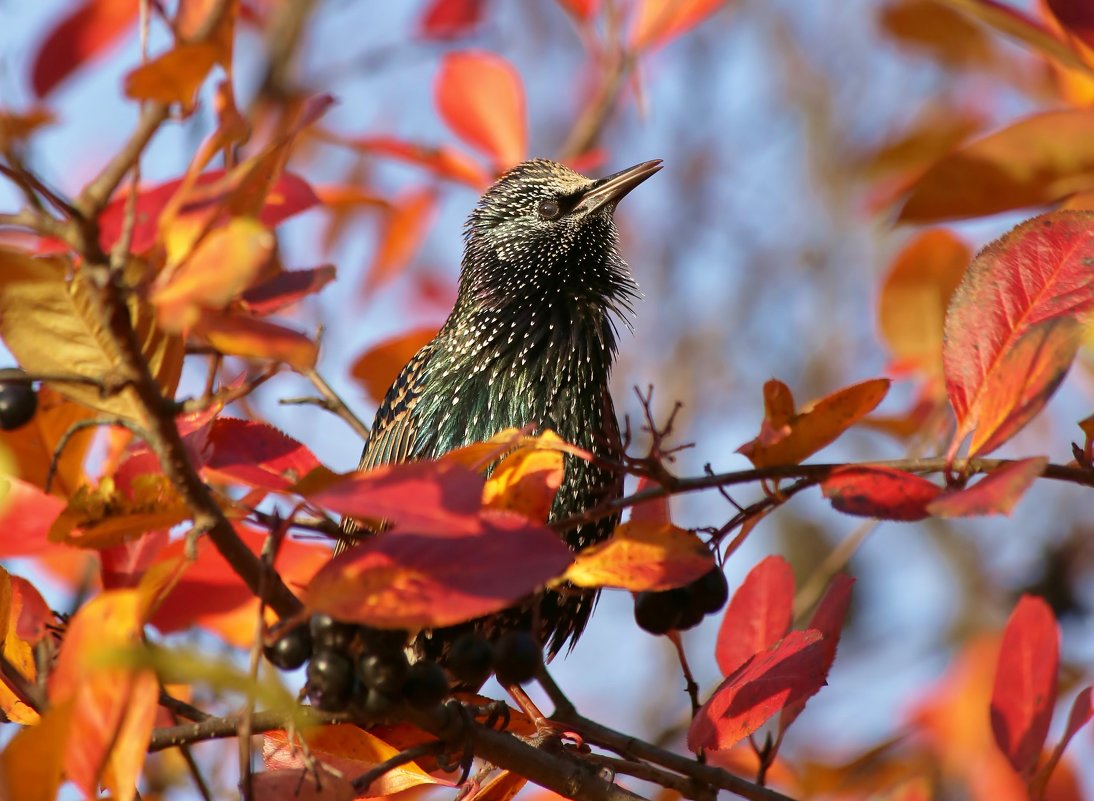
[(531, 339)]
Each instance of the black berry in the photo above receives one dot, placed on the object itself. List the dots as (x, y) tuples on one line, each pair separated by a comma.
[(709, 592), (658, 612), (690, 615), (426, 685), (18, 402), (291, 649), (377, 703), (383, 641), (383, 672), (471, 659), (517, 658), (331, 634), (330, 681)]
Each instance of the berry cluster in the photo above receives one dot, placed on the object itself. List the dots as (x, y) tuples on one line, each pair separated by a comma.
[(350, 664), (18, 402), (659, 612)]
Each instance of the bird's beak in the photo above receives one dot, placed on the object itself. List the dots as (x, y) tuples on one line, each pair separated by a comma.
[(606, 192)]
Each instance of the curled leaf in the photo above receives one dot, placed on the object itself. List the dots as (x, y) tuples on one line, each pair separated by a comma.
[(641, 556)]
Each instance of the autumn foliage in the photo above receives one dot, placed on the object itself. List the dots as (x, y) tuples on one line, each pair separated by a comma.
[(153, 317)]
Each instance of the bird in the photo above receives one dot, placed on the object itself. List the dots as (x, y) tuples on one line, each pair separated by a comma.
[(531, 339)]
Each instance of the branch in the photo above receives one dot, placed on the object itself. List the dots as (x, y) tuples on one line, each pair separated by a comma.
[(222, 727), (335, 404)]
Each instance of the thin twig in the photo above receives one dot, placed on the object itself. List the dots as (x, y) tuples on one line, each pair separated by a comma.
[(25, 690), (178, 707), (688, 788), (219, 728), (365, 780), (76, 428), (335, 404), (691, 686)]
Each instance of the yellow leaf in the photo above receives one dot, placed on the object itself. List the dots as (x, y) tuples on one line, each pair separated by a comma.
[(31, 765), (642, 555), (525, 482), (51, 324), (33, 445), (105, 516), (18, 654), (223, 264), (242, 335)]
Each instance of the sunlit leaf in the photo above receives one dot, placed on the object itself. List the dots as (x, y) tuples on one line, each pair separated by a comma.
[(410, 580), (656, 22), (1082, 711), (792, 669), (51, 323), (32, 612), (787, 438), (32, 763), (882, 492), (256, 454), (17, 652), (102, 516), (403, 233), (175, 76), (758, 615), (581, 9), (481, 98), (1038, 160), (32, 446), (1024, 693), (525, 482), (350, 750), (443, 161), (285, 289), (996, 493), (26, 514), (655, 510), (1015, 23), (378, 367), (642, 556), (1012, 330), (89, 29), (251, 337)]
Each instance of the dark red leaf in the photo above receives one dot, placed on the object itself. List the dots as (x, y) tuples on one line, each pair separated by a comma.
[(1025, 683), (256, 454), (34, 612), (881, 492), (89, 29), (790, 671), (828, 620), (408, 579), (425, 496), (450, 19), (758, 616), (1011, 330), (995, 494), (1077, 16), (121, 566), (286, 288)]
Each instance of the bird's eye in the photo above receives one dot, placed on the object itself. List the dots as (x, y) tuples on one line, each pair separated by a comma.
[(549, 209)]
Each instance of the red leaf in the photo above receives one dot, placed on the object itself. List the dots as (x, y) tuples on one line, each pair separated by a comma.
[(286, 288), (652, 511), (34, 612), (995, 494), (1010, 334), (1025, 683), (26, 513), (581, 9), (658, 21), (881, 492), (256, 454), (430, 496), (828, 620), (481, 98), (790, 671), (403, 234), (758, 616), (450, 19), (444, 161), (407, 579), (88, 30), (1082, 710)]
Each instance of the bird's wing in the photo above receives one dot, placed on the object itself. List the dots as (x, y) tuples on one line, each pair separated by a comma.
[(394, 429)]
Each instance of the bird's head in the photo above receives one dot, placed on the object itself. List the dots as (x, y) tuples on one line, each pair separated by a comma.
[(544, 231)]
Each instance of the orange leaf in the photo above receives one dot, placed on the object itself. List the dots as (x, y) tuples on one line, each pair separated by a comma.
[(443, 160), (1012, 328), (996, 493), (481, 98), (33, 445), (658, 21), (655, 510), (642, 556), (914, 297), (350, 750), (18, 654), (525, 482), (1024, 694), (223, 264), (379, 366), (250, 337), (89, 29), (787, 438), (404, 231), (174, 77), (31, 765), (1037, 160), (104, 516), (450, 19)]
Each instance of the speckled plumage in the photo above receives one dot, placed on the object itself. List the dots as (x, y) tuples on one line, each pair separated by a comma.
[(531, 339)]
